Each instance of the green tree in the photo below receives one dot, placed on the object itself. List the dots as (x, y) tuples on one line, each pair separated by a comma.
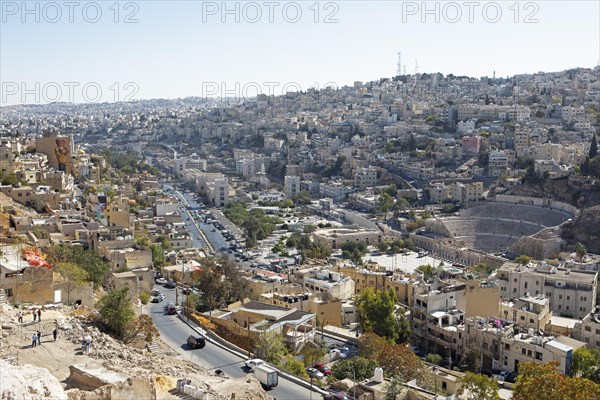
[(433, 358), (40, 233), (116, 312), (209, 280), (312, 354), (72, 276), (357, 368), (295, 367), (165, 242), (593, 148), (523, 260), (9, 179), (543, 381), (354, 251), (377, 315), (158, 255), (427, 270), (89, 260), (477, 387), (270, 346), (586, 364), (395, 388), (385, 202), (144, 297)]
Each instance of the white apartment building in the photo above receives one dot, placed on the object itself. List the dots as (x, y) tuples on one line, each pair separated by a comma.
[(497, 162), (548, 151), (335, 190), (291, 185), (365, 177), (219, 192)]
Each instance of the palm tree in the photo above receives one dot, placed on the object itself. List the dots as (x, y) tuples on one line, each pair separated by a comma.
[(580, 251)]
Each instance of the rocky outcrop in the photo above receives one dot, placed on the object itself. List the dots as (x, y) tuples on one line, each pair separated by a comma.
[(90, 377), (585, 229), (29, 382)]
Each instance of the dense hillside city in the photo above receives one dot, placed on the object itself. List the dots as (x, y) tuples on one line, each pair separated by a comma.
[(425, 236)]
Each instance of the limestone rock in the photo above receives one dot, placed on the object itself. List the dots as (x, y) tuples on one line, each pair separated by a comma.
[(29, 382)]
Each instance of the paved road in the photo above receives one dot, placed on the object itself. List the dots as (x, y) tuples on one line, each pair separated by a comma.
[(175, 332)]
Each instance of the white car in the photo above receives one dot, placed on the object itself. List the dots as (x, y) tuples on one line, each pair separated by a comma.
[(161, 281), (254, 362), (314, 373), (337, 353)]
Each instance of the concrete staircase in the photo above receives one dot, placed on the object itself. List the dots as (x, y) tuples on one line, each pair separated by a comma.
[(3, 299), (155, 349)]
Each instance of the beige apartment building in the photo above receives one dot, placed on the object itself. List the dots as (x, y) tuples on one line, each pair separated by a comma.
[(571, 292), (504, 344), (378, 279), (320, 280), (333, 238), (438, 309), (528, 312), (588, 329)]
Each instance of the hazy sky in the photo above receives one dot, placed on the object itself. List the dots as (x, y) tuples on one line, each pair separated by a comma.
[(169, 49)]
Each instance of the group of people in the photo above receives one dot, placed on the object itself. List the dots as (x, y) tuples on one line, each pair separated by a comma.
[(36, 338), (36, 312)]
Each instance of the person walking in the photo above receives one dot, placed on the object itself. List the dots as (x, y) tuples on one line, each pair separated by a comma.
[(34, 315), (20, 316), (39, 314), (55, 333), (33, 340), (39, 338)]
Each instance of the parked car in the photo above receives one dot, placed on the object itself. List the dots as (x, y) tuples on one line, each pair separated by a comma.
[(160, 281), (314, 373), (170, 285), (196, 342), (170, 308), (157, 299), (253, 362), (324, 369), (337, 353)]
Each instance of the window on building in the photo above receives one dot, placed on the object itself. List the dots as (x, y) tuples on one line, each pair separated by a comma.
[(588, 328), (523, 351), (538, 355)]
